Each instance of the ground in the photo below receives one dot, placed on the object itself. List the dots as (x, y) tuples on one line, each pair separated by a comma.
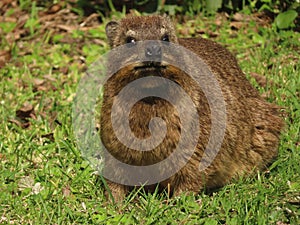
[(45, 180)]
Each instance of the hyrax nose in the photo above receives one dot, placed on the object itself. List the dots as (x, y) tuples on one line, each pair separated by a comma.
[(153, 52)]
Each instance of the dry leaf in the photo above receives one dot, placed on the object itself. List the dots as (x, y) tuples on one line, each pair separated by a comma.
[(37, 188), (19, 123), (38, 82), (49, 136), (2, 157), (241, 17), (83, 206), (25, 182), (5, 56), (64, 70), (54, 8), (261, 80), (281, 223), (66, 191), (25, 112), (237, 25)]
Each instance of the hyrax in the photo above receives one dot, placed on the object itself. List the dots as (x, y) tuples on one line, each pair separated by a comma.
[(251, 129)]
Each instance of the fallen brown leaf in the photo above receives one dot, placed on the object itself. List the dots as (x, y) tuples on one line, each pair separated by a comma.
[(64, 70), (5, 56), (23, 115), (25, 111), (91, 20), (49, 136), (281, 223), (38, 82), (241, 17), (4, 4), (54, 8), (65, 27), (237, 25), (49, 77), (66, 191), (8, 19), (2, 157), (45, 84), (261, 80)]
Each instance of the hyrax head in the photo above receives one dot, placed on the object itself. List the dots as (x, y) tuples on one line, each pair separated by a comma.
[(146, 39), (140, 28), (142, 46)]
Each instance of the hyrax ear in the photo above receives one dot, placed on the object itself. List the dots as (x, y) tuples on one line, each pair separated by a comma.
[(111, 30)]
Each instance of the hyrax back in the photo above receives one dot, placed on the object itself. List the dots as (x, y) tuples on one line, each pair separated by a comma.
[(252, 124)]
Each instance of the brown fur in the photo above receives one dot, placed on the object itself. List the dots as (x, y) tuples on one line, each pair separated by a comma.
[(253, 125)]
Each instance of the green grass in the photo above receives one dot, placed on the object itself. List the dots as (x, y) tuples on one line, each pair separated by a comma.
[(44, 179)]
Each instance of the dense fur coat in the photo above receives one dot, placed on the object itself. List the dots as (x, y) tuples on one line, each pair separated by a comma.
[(252, 124)]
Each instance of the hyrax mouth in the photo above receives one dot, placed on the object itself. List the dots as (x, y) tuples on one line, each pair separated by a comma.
[(150, 69), (150, 66)]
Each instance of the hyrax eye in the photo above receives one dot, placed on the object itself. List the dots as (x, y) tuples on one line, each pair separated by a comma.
[(165, 38), (131, 41)]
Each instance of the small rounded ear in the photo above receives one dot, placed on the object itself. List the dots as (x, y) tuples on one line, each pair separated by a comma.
[(166, 17), (111, 31)]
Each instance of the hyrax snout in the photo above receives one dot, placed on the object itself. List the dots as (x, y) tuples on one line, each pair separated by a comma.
[(153, 51)]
